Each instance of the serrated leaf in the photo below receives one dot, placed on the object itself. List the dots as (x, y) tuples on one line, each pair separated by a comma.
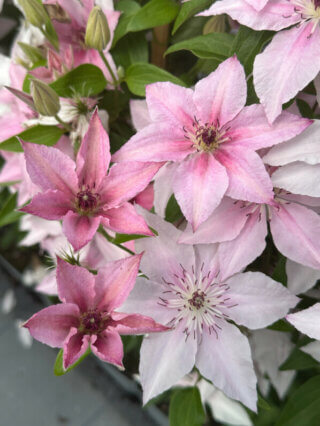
[(190, 9), (298, 360), (58, 365), (140, 74), (186, 408), (303, 407), (85, 80), (42, 135), (213, 45)]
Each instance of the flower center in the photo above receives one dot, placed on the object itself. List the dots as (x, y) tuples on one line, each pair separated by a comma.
[(206, 137), (87, 201), (309, 11), (93, 322), (197, 300)]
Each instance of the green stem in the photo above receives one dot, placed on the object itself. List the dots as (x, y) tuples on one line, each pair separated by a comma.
[(111, 240), (114, 79), (65, 125)]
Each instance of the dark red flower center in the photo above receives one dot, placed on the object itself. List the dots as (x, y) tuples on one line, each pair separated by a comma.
[(208, 136), (87, 201), (197, 300), (93, 322), (317, 3)]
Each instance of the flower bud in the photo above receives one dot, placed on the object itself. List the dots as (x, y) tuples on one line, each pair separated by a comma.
[(97, 31), (34, 12), (45, 99)]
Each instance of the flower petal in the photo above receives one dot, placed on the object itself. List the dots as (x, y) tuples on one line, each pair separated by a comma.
[(259, 300), (307, 321), (75, 285), (79, 229), (139, 113), (136, 324), (163, 187), (286, 66), (52, 325), (222, 95), (115, 281), (226, 361), (199, 185), (300, 278), (74, 347), (51, 205), (108, 347), (94, 154)]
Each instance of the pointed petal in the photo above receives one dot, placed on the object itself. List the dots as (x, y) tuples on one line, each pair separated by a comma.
[(246, 247), (75, 285), (145, 198), (312, 349), (136, 324), (49, 168), (139, 113), (115, 281), (251, 129), (51, 205), (300, 278), (74, 347), (164, 359), (126, 220), (276, 15), (299, 178), (156, 142), (199, 185), (108, 347), (163, 187), (224, 224), (259, 300), (307, 321), (248, 178), (94, 154), (222, 95), (296, 233), (286, 66), (52, 325), (226, 361), (79, 229), (304, 147), (257, 4), (125, 181)]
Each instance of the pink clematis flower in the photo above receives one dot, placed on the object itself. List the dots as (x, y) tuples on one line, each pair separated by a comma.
[(307, 321), (81, 193), (87, 315), (292, 59), (212, 137), (184, 291)]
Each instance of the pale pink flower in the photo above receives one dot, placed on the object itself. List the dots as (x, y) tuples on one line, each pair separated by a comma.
[(184, 291), (307, 321), (300, 278), (81, 193), (87, 314), (292, 59), (212, 137)]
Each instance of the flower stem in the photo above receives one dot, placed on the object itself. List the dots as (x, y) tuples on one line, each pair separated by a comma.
[(65, 125), (114, 79)]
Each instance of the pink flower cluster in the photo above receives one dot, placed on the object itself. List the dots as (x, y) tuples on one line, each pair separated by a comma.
[(236, 171)]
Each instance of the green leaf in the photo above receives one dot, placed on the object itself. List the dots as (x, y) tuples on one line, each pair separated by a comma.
[(42, 135), (188, 10), (299, 360), (213, 45), (128, 9), (131, 49), (304, 108), (247, 44), (58, 365), (262, 403), (186, 408), (281, 325), (173, 211), (303, 407), (123, 238), (279, 273), (140, 74), (8, 214), (85, 80)]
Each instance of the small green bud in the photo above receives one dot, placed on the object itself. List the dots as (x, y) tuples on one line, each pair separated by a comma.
[(97, 31), (34, 12), (45, 99)]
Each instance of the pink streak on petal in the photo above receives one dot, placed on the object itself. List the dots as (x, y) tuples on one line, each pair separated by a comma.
[(108, 347), (286, 66), (156, 142), (307, 321), (75, 285), (136, 324), (251, 129), (199, 185), (94, 154), (259, 300), (222, 95), (125, 181), (115, 281), (74, 347), (168, 102), (296, 233), (227, 362), (126, 220), (79, 229), (145, 198), (248, 178), (49, 168), (52, 325), (51, 205)]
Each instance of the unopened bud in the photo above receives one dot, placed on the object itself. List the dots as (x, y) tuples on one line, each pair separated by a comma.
[(216, 24), (45, 99), (34, 12), (97, 31)]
